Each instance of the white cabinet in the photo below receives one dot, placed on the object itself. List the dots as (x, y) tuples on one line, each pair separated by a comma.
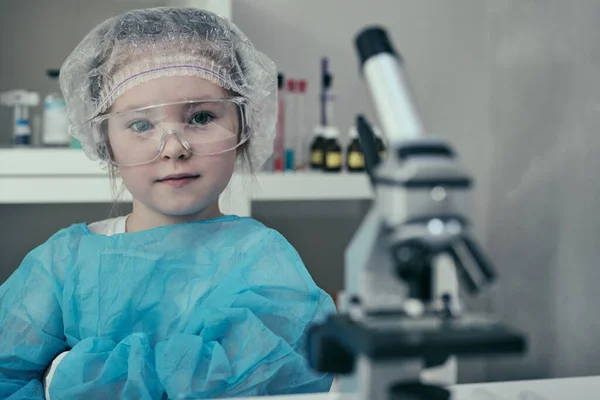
[(54, 176)]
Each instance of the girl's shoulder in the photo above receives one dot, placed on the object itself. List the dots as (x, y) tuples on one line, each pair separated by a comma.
[(62, 242), (69, 234), (254, 233)]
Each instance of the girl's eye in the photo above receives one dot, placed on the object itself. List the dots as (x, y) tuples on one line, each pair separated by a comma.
[(141, 126), (202, 118)]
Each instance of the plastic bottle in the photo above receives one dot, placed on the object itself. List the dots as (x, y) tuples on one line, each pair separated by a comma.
[(332, 151), (20, 100), (316, 149), (355, 159), (22, 133), (55, 124)]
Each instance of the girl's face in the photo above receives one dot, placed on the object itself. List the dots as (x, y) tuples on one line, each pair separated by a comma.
[(158, 185)]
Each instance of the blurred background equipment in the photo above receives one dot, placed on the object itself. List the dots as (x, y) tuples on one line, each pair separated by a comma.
[(55, 126), (21, 102)]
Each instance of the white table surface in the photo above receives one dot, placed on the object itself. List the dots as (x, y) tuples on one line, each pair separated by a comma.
[(584, 388)]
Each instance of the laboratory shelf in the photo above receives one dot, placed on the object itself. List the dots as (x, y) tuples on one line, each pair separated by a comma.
[(50, 176)]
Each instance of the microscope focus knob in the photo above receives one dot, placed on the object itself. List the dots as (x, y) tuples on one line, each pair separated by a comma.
[(413, 266), (410, 260)]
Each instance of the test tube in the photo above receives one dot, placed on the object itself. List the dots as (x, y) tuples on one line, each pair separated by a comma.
[(291, 133), (303, 136), (279, 145)]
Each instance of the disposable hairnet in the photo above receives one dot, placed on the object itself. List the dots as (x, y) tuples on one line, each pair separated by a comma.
[(207, 309), (141, 45)]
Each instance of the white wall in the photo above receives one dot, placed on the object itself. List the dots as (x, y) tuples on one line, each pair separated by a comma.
[(220, 7), (544, 220)]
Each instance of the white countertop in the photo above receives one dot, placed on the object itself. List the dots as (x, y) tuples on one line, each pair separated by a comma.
[(587, 388)]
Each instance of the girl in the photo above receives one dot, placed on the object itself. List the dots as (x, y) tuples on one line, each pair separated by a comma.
[(175, 300)]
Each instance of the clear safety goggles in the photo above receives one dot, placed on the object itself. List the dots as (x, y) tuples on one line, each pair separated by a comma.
[(203, 127)]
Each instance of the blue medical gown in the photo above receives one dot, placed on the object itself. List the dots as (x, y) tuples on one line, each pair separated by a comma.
[(216, 308)]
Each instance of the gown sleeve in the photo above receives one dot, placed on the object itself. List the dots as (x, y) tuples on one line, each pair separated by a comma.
[(31, 324)]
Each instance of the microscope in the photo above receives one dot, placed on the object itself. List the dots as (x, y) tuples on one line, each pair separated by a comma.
[(394, 327)]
